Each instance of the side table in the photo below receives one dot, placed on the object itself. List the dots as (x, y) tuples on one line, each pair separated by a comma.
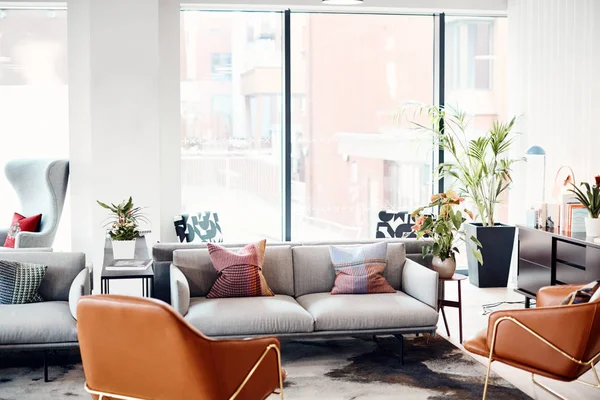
[(146, 276), (455, 304)]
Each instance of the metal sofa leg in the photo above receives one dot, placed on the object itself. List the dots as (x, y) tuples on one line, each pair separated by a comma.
[(46, 366), (401, 339)]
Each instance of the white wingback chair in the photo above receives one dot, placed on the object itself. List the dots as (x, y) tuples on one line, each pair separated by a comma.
[(41, 186)]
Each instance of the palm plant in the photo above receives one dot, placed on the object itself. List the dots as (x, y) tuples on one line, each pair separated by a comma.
[(124, 220), (481, 166), (590, 198)]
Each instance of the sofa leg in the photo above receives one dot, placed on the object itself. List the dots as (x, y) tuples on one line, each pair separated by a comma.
[(46, 366), (401, 339)]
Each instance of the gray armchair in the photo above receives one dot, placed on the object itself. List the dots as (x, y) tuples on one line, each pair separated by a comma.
[(41, 186)]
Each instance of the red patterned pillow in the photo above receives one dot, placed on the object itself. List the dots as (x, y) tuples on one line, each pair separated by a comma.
[(240, 273), (21, 224)]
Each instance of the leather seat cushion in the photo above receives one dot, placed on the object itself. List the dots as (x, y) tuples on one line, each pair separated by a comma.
[(238, 316), (37, 323), (356, 312)]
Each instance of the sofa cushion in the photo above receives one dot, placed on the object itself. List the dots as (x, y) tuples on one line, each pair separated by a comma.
[(355, 312), (238, 316), (359, 269), (19, 282), (197, 267), (314, 273), (240, 272), (37, 323)]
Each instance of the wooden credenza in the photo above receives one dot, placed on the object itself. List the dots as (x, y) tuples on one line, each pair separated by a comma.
[(549, 257)]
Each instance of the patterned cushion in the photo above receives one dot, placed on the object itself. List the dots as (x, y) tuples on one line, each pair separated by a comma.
[(239, 273), (19, 282), (583, 295), (202, 227), (21, 224), (359, 269)]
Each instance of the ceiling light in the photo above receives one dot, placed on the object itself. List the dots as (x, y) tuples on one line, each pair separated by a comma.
[(342, 2)]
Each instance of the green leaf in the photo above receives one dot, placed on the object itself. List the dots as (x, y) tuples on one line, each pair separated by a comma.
[(477, 254), (477, 242)]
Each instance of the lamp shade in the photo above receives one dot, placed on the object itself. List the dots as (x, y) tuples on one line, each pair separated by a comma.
[(535, 151)]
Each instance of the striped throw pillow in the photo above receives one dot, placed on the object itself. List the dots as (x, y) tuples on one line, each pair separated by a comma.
[(359, 269), (19, 282), (239, 273), (583, 295)]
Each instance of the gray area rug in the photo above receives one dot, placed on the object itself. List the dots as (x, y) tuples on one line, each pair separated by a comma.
[(345, 369)]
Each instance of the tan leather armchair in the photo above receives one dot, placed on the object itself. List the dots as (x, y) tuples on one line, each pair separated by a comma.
[(559, 342), (137, 348)]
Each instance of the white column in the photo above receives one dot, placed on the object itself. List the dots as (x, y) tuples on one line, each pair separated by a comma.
[(124, 115)]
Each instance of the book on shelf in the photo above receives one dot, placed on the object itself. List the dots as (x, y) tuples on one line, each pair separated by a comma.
[(129, 265)]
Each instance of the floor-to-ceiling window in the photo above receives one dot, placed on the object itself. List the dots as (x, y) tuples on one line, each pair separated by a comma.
[(231, 108), (34, 119), (351, 156)]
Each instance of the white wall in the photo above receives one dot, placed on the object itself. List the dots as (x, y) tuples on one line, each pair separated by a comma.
[(124, 115), (554, 75)]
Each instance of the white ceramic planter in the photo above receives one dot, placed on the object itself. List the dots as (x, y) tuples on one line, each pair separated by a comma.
[(592, 227), (123, 249), (444, 268)]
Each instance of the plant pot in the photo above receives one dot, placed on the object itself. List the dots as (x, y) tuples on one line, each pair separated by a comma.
[(497, 246), (444, 268), (592, 227), (123, 249)]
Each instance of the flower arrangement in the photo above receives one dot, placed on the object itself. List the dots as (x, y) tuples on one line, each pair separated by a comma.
[(124, 220), (590, 198), (445, 228)]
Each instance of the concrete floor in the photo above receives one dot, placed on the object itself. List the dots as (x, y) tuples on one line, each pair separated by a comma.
[(473, 321)]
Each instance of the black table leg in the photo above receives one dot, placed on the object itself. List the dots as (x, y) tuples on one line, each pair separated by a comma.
[(460, 330), (445, 321), (527, 302)]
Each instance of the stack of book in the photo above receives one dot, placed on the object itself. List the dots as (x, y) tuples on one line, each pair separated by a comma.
[(129, 265)]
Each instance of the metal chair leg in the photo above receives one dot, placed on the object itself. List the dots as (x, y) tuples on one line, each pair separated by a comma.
[(46, 366)]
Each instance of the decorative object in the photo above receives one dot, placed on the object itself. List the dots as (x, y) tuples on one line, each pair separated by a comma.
[(347, 368), (577, 216), (19, 282), (482, 169), (21, 224), (359, 269), (590, 199), (536, 174), (123, 224), (445, 230), (202, 227), (393, 224), (239, 273)]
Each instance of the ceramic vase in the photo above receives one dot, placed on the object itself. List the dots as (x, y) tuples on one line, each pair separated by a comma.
[(592, 227), (444, 268), (123, 249)]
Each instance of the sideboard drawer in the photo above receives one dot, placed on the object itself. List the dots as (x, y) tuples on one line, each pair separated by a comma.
[(532, 276), (535, 247), (570, 253), (570, 274)]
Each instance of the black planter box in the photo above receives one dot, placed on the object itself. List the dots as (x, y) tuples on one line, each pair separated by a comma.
[(497, 247)]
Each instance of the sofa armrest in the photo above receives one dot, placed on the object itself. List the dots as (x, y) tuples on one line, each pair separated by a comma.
[(32, 239), (421, 283), (180, 291), (3, 235), (79, 287)]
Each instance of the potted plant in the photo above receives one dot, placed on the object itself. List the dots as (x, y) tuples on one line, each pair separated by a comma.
[(445, 230), (123, 222), (591, 201), (481, 169)]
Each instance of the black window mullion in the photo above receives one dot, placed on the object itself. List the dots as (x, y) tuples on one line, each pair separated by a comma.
[(287, 142)]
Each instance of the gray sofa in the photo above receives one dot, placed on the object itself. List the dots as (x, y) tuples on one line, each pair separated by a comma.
[(50, 324), (301, 276)]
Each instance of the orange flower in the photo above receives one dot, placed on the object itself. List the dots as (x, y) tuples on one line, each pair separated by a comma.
[(418, 223), (436, 197), (453, 196), (469, 213)]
